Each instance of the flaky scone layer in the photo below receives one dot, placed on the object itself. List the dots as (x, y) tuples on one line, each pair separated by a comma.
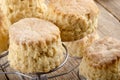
[(35, 46), (32, 58), (110, 72), (102, 60), (19, 9), (75, 18), (77, 48)]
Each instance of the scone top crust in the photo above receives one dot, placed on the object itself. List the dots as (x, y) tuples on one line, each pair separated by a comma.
[(33, 30), (104, 52), (76, 8)]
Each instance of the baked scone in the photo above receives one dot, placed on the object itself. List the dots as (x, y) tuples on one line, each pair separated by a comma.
[(3, 32), (75, 18), (102, 60), (35, 46), (77, 48), (19, 9)]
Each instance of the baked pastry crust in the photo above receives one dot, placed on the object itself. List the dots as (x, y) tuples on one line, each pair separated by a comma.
[(75, 18), (102, 60), (19, 9), (35, 45), (77, 48), (3, 32)]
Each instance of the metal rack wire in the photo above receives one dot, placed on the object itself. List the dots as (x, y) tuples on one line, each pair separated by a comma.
[(38, 75)]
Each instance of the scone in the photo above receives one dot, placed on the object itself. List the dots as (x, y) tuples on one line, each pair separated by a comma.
[(77, 48), (35, 46), (3, 32), (75, 18), (19, 9), (102, 60)]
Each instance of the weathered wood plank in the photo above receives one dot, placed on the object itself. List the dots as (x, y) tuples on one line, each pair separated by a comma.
[(8, 69), (12, 76), (113, 6), (108, 25), (2, 76), (71, 63)]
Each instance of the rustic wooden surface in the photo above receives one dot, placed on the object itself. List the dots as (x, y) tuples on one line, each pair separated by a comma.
[(108, 25)]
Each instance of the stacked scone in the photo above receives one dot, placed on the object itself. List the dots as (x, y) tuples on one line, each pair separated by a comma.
[(35, 46), (102, 60), (76, 19)]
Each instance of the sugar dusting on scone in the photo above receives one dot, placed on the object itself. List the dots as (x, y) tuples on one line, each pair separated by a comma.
[(35, 46), (102, 60)]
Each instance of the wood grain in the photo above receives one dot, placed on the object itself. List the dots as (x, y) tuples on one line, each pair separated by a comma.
[(2, 76), (108, 25), (113, 6)]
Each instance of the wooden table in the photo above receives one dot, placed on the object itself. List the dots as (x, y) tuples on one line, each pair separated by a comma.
[(108, 25)]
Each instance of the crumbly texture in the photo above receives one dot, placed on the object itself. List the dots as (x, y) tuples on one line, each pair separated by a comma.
[(110, 72), (35, 46), (77, 48), (19, 9), (102, 60), (75, 18), (3, 32)]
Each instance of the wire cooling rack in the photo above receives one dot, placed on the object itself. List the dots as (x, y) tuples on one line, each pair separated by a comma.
[(38, 75)]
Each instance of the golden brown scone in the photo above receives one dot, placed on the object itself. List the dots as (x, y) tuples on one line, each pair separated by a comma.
[(35, 46), (3, 32), (19, 9), (75, 18), (102, 60), (77, 48)]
